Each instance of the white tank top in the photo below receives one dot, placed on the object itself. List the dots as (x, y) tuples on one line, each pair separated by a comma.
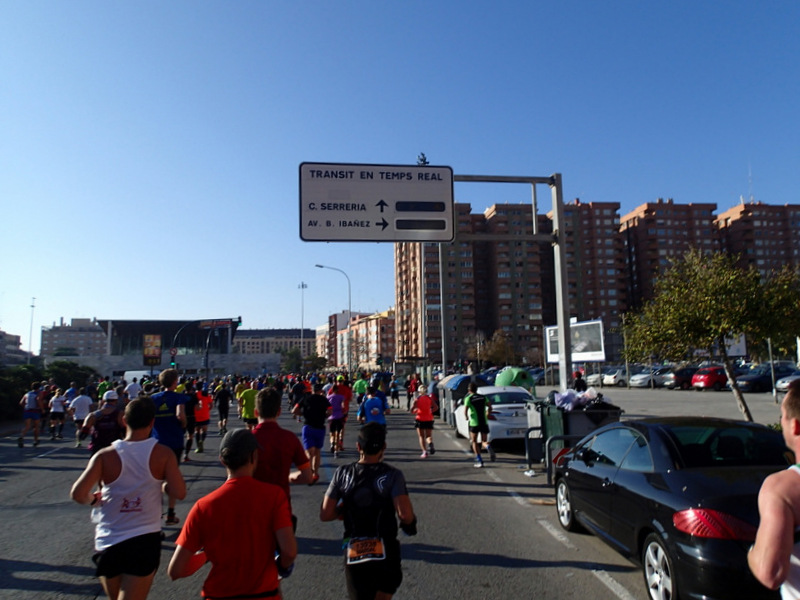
[(790, 589), (131, 505)]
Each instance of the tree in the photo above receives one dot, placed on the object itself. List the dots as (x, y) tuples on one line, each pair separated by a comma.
[(292, 360), (702, 299), (422, 160), (499, 350)]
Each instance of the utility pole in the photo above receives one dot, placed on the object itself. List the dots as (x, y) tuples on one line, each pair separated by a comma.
[(30, 333)]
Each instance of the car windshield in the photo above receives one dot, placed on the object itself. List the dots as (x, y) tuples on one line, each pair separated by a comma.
[(728, 445), (508, 397), (759, 370)]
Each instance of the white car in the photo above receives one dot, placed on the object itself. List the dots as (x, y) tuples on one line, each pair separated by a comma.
[(782, 385), (643, 379), (508, 418)]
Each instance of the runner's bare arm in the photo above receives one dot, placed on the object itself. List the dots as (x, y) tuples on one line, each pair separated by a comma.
[(328, 511), (174, 485), (287, 544), (185, 563), (81, 491)]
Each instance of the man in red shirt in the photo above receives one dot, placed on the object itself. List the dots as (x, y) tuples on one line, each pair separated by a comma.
[(278, 447), (238, 528)]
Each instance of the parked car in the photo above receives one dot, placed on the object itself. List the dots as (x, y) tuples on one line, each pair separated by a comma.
[(759, 377), (508, 419), (650, 378), (710, 378), (596, 379), (619, 377), (677, 495), (782, 385), (680, 378)]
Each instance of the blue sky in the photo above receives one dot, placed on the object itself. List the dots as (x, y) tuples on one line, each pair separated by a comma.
[(149, 151)]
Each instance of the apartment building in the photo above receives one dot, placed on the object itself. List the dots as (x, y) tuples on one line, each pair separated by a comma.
[(269, 341), (11, 352), (762, 235), (373, 337), (81, 337), (656, 232)]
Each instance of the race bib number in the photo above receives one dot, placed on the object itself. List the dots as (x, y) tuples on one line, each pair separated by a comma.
[(361, 550)]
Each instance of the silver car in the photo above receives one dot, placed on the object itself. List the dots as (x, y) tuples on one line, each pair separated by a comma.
[(782, 385)]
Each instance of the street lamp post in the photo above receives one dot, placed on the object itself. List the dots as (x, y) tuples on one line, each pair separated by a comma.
[(302, 287), (30, 333), (349, 318)]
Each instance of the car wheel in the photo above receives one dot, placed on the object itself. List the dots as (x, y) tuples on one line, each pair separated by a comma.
[(566, 517), (659, 576), (620, 383), (717, 386), (686, 385)]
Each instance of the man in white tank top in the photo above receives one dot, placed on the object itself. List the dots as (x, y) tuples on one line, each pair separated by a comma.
[(126, 509), (775, 557)]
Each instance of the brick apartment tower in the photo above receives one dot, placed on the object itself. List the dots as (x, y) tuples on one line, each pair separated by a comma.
[(764, 236), (656, 232)]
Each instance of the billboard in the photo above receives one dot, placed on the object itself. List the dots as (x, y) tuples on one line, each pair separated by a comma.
[(152, 350), (587, 342)]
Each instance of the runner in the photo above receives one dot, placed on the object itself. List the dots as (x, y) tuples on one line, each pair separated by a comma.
[(169, 424), (80, 408), (336, 419), (360, 388), (314, 408), (278, 448), (247, 406), (222, 398), (366, 495), (423, 408), (202, 414), (106, 425), (58, 407), (243, 528), (373, 408), (31, 403), (477, 410), (191, 420), (128, 542)]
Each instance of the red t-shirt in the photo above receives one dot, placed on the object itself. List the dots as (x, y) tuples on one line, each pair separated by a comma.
[(202, 412), (279, 449), (424, 408), (235, 525)]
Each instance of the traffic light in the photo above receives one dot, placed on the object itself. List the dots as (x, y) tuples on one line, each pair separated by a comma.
[(172, 363)]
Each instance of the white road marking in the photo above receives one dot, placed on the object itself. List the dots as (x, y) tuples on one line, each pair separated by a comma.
[(556, 533), (613, 585), (53, 451)]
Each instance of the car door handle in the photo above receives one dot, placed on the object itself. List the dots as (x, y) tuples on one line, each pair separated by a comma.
[(606, 483)]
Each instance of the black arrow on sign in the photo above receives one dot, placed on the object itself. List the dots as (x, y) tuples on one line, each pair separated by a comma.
[(382, 204), (383, 224)]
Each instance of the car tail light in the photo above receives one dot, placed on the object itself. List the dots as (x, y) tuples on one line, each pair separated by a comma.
[(491, 417), (707, 523)]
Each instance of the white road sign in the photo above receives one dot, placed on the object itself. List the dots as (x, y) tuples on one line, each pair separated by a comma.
[(375, 203)]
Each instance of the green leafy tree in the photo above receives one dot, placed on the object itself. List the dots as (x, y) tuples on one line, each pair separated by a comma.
[(702, 299), (64, 372), (292, 360)]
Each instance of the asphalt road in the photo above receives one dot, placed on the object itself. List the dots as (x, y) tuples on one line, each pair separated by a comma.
[(487, 533)]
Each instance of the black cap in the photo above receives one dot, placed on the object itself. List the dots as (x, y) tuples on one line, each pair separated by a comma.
[(372, 438), (237, 446)]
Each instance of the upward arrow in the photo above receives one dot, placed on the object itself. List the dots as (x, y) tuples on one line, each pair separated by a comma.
[(382, 204)]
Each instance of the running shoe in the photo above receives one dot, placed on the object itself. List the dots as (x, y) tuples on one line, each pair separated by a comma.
[(336, 454), (478, 464), (314, 479), (186, 458), (431, 449), (172, 520), (20, 442), (35, 443), (424, 455), (492, 455)]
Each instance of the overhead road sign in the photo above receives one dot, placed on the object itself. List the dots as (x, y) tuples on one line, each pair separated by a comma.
[(342, 202)]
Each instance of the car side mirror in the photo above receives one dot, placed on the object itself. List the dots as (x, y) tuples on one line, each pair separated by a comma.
[(585, 455)]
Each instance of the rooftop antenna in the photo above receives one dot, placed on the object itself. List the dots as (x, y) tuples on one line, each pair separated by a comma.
[(750, 181)]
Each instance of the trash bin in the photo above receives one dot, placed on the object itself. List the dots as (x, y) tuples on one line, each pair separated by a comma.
[(452, 389), (577, 422)]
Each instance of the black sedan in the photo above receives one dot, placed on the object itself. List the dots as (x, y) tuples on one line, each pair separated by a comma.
[(676, 495), (759, 378)]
